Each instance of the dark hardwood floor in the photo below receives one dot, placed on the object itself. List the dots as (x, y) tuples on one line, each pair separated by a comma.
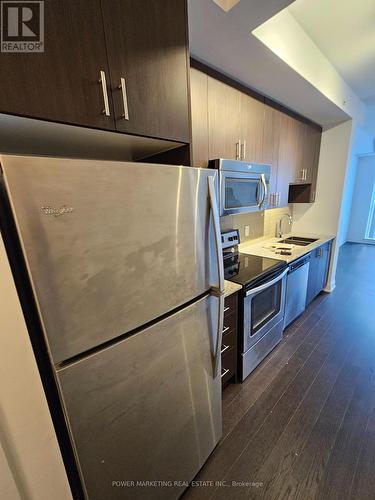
[(302, 426)]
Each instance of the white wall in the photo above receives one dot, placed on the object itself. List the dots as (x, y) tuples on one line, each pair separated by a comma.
[(362, 144), (31, 466), (323, 216), (362, 194)]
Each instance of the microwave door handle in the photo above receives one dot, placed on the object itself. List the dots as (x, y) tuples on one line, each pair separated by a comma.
[(259, 202), (265, 190), (217, 235)]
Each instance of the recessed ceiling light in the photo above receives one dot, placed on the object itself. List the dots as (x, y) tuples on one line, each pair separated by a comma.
[(226, 4)]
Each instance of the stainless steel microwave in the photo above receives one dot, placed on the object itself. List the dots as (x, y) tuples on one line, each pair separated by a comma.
[(244, 186)]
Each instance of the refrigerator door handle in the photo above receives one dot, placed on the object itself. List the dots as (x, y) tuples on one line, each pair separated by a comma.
[(219, 334), (217, 235)]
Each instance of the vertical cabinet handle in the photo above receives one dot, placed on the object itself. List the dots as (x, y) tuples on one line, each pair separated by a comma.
[(243, 150), (103, 81), (124, 94), (238, 150)]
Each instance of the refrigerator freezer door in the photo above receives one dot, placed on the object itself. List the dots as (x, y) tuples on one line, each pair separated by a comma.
[(109, 246), (147, 408)]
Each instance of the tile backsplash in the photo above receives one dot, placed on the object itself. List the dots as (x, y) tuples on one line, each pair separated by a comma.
[(261, 224)]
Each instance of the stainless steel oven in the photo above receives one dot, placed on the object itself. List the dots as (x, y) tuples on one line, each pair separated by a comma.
[(244, 187), (263, 320), (261, 301)]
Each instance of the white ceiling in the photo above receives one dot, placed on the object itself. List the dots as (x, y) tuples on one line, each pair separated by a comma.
[(224, 41), (344, 30)]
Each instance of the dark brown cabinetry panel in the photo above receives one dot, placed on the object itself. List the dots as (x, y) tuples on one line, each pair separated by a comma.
[(270, 143), (199, 117), (287, 158), (61, 83), (147, 47), (252, 124), (224, 121)]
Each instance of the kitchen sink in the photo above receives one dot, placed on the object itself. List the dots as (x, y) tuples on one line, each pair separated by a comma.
[(298, 240)]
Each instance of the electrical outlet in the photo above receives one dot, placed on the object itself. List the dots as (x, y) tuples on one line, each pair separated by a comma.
[(247, 231)]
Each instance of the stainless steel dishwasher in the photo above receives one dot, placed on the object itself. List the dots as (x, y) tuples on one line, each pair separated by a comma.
[(296, 289)]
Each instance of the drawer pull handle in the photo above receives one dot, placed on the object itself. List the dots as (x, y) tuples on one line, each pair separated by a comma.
[(224, 371), (226, 309), (225, 329), (224, 348)]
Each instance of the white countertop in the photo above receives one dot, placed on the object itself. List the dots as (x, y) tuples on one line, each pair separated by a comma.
[(263, 248), (230, 288)]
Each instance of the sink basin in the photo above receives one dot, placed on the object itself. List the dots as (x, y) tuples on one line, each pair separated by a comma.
[(298, 240)]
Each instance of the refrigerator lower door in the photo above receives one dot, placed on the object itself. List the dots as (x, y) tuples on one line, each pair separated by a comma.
[(109, 246), (148, 408)]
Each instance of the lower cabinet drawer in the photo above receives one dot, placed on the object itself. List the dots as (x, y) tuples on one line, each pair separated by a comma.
[(228, 365)]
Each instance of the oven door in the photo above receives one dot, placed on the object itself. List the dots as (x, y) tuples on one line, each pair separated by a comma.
[(264, 307), (242, 192)]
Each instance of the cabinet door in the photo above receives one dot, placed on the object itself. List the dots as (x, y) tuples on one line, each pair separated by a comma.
[(310, 159), (147, 48), (252, 124), (290, 155), (224, 122), (270, 143), (286, 158), (199, 117), (298, 134), (62, 83)]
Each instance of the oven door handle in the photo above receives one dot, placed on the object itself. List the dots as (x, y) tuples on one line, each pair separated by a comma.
[(260, 288), (219, 288)]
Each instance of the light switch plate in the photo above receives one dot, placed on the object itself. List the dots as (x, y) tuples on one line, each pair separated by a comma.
[(247, 231)]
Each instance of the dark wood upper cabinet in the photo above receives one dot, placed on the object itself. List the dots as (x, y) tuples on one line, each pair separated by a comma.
[(141, 44), (199, 117), (287, 157), (224, 120), (311, 150), (270, 143), (62, 83), (148, 54)]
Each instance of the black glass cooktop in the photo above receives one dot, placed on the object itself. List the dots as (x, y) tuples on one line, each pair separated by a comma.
[(251, 270)]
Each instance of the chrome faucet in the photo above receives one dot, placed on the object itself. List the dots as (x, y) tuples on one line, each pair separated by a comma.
[(279, 232)]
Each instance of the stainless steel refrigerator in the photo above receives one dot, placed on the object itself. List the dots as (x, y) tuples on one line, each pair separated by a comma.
[(124, 261)]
